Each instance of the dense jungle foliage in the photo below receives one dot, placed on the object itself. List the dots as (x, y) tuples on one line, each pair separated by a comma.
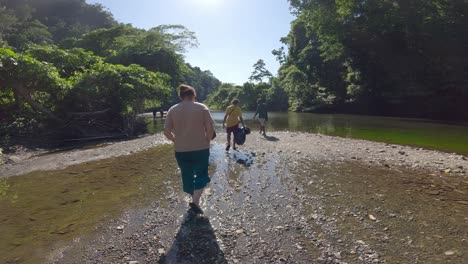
[(68, 70), (389, 57)]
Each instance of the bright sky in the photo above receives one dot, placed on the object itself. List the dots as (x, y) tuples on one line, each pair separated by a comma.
[(233, 34)]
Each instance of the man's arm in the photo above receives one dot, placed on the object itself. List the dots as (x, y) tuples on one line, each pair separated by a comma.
[(224, 121), (256, 112), (242, 120), (168, 127), (169, 135), (209, 125)]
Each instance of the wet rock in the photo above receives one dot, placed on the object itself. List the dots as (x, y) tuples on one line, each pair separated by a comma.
[(360, 242), (433, 192), (401, 152)]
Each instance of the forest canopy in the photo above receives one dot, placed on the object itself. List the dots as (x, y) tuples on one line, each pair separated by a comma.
[(391, 57), (69, 70)]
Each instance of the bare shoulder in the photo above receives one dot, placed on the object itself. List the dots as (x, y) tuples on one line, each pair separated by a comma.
[(173, 108)]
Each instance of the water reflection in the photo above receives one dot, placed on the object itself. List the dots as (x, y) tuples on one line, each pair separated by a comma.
[(405, 131)]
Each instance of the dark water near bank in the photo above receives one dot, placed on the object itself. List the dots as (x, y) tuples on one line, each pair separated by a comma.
[(404, 131)]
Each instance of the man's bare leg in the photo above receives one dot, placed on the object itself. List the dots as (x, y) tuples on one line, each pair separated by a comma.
[(196, 196), (228, 141)]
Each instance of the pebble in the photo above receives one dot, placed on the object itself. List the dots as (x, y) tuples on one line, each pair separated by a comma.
[(239, 231), (134, 262), (371, 217), (449, 253)]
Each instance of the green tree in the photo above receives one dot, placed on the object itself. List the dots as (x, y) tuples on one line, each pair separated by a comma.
[(389, 55), (31, 82), (28, 33), (7, 22), (63, 18), (178, 36), (260, 72), (123, 90), (68, 62)]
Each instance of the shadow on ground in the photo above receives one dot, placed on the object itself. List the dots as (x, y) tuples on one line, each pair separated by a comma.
[(195, 242), (270, 138)]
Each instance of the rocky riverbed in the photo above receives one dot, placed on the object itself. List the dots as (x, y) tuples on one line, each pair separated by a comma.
[(285, 198)]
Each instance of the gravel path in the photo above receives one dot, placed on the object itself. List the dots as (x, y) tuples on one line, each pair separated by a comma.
[(299, 198)]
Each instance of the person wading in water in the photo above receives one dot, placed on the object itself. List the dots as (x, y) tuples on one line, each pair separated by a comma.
[(191, 127), (232, 118), (262, 115)]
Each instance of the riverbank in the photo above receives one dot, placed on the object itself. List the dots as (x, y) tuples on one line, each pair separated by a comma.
[(285, 198), (299, 198), (27, 160), (293, 143)]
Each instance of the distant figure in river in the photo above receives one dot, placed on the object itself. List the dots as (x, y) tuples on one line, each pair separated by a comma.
[(154, 114), (232, 118), (161, 111), (262, 115), (191, 127)]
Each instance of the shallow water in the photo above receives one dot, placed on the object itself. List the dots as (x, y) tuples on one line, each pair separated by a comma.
[(41, 208), (404, 131), (415, 132)]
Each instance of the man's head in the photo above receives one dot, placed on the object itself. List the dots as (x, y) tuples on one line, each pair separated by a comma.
[(235, 101), (187, 92)]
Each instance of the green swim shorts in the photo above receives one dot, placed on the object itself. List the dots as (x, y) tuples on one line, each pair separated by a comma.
[(194, 169)]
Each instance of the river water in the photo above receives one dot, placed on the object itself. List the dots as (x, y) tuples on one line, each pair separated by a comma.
[(43, 211), (404, 131)]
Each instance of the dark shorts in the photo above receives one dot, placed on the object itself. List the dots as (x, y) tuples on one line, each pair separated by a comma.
[(194, 169), (232, 129)]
